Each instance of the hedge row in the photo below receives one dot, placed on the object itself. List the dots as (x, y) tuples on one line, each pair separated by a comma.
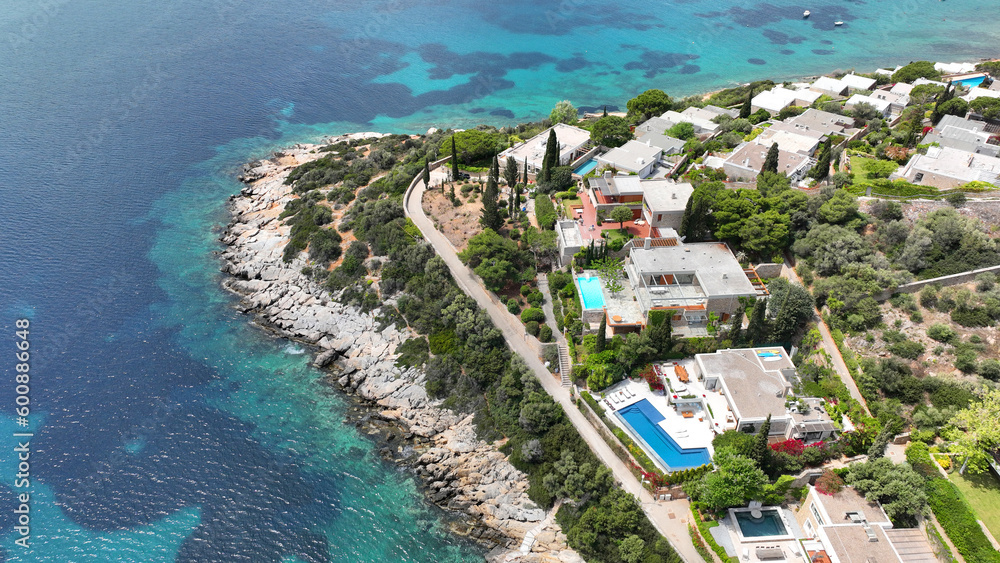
[(705, 529), (951, 510)]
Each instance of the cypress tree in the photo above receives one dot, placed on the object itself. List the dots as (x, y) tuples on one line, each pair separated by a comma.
[(605, 114), (760, 447), (454, 161), (551, 159), (491, 212), (771, 162), (510, 175), (745, 110), (822, 168), (524, 179), (427, 175), (602, 340), (757, 329), (736, 332)]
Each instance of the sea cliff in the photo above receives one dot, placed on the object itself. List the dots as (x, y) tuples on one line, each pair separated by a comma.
[(461, 472)]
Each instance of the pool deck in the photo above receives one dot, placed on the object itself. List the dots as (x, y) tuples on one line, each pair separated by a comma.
[(689, 433)]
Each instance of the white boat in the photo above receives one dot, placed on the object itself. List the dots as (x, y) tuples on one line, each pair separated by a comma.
[(805, 14), (838, 23)]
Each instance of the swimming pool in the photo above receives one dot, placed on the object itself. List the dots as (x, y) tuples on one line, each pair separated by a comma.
[(590, 293), (644, 419), (585, 167), (769, 524), (970, 82)]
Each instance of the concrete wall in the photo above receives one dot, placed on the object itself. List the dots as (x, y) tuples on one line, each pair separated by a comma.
[(954, 279)]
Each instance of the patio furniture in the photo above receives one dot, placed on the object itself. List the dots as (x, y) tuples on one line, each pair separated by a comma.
[(616, 318), (687, 414)]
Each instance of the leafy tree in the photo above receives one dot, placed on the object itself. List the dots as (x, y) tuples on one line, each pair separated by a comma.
[(611, 131), (976, 434), (620, 214), (564, 112), (986, 107), (736, 481), (740, 442), (771, 161), (898, 488), (842, 179), (649, 104), (864, 112), (632, 549), (543, 244), (683, 131), (839, 209), (493, 258), (324, 246), (790, 307), (636, 350), (831, 247), (474, 145), (610, 271), (915, 70), (765, 233)]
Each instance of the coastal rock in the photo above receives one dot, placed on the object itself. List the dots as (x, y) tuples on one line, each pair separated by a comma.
[(462, 473)]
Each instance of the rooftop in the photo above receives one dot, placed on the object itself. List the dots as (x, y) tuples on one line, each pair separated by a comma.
[(570, 138), (838, 507), (666, 195), (858, 82), (668, 144), (632, 156), (851, 544), (789, 141), (717, 270), (755, 384), (826, 122), (902, 88), (955, 163), (829, 85), (751, 156), (701, 121), (614, 186), (881, 105), (656, 125)]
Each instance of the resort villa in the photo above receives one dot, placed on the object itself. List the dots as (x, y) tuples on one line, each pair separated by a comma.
[(747, 160), (574, 145), (945, 168), (691, 280), (634, 157)]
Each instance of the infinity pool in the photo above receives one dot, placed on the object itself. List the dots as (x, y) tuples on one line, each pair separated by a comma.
[(644, 419), (590, 293)]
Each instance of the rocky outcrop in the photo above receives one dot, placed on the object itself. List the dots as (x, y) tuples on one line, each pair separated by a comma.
[(461, 472)]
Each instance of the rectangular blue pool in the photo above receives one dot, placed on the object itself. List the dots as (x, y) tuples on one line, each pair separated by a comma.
[(970, 82), (586, 167), (644, 419), (769, 524), (590, 293)]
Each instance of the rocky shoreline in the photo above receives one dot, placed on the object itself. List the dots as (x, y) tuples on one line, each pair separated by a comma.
[(461, 473)]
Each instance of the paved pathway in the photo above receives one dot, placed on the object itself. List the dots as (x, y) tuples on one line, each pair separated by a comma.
[(829, 344), (670, 519), (565, 364)]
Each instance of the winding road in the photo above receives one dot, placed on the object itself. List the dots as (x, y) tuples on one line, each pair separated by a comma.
[(669, 517)]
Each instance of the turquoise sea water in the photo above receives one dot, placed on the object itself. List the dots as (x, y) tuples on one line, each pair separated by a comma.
[(166, 427)]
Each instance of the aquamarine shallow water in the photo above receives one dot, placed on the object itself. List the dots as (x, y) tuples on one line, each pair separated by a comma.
[(166, 427)]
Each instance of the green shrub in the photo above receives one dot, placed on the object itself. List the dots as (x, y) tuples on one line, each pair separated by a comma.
[(545, 212), (990, 369), (443, 342), (535, 298), (531, 327), (525, 290), (513, 307), (907, 349), (971, 317), (545, 333), (413, 352), (941, 333), (532, 314), (985, 281)]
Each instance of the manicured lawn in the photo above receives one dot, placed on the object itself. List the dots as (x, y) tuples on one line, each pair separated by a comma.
[(982, 492), (568, 203), (859, 166)]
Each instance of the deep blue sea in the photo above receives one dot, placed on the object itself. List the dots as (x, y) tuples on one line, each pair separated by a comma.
[(165, 427)]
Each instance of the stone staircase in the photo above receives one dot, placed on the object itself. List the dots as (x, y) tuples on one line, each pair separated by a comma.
[(529, 538), (565, 366)]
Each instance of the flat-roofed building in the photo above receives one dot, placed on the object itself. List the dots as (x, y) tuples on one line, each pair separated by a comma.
[(702, 122), (883, 106), (846, 528), (663, 202), (665, 143), (855, 82), (829, 86), (692, 280), (779, 97), (746, 161), (755, 382), (656, 125), (633, 156), (573, 144), (790, 141), (945, 168), (964, 134)]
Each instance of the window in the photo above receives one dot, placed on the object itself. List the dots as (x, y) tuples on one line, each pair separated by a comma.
[(918, 177), (659, 216), (815, 513)]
